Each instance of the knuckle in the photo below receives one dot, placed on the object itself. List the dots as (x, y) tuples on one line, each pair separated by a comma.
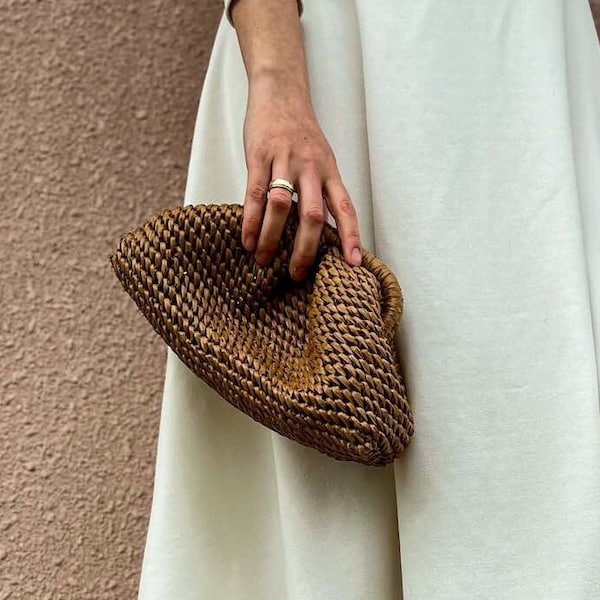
[(257, 192), (314, 215), (280, 199), (313, 160), (346, 206), (258, 155)]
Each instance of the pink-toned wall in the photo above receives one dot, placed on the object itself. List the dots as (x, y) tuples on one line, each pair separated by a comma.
[(97, 106)]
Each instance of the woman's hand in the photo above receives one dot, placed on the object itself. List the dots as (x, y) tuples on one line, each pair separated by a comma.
[(282, 139)]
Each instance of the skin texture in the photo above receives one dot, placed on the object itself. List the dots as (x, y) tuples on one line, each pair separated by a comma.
[(283, 139)]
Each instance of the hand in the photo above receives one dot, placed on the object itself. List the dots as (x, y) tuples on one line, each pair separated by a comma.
[(282, 139)]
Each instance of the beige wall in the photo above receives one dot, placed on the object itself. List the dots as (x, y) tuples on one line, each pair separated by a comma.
[(97, 107)]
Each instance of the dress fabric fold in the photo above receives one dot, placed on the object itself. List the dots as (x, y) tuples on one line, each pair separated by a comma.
[(468, 136)]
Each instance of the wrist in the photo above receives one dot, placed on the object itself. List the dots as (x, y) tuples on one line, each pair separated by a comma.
[(274, 81)]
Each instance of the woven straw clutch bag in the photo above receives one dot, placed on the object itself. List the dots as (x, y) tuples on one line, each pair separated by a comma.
[(314, 360)]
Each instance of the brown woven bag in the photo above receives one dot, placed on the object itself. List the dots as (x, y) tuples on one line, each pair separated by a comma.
[(314, 360)]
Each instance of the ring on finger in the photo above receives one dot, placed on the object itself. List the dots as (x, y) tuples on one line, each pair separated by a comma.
[(282, 183)]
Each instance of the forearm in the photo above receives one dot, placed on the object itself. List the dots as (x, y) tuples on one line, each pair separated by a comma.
[(272, 45)]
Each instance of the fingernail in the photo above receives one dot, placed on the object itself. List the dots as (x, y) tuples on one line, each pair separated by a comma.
[(356, 257)]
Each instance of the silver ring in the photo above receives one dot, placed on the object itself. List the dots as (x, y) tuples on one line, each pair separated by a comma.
[(282, 183)]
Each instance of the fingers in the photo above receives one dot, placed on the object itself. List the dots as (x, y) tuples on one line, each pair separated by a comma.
[(266, 213), (278, 205), (312, 216), (341, 207), (259, 175)]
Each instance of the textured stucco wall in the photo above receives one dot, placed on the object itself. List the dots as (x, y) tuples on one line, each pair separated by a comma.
[(97, 106)]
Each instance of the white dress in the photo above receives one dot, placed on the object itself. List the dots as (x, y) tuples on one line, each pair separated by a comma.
[(468, 135)]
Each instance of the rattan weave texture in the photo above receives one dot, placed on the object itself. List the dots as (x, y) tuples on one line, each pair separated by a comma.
[(314, 361)]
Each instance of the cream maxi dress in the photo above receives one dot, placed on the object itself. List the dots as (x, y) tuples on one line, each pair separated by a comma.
[(468, 135)]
